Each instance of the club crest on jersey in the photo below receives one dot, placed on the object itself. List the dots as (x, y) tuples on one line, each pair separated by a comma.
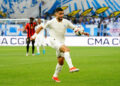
[(65, 26)]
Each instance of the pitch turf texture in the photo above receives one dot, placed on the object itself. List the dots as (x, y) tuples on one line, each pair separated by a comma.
[(99, 66)]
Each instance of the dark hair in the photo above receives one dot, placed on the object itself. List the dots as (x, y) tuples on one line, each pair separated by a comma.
[(58, 9), (31, 18)]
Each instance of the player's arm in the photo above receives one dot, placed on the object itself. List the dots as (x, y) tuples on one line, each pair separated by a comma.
[(76, 30), (35, 34), (45, 33), (87, 34), (39, 29), (22, 29)]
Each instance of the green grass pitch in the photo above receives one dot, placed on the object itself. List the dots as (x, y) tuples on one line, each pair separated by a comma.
[(99, 66)]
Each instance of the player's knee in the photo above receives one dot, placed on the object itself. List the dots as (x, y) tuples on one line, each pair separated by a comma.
[(67, 50), (61, 60), (64, 49)]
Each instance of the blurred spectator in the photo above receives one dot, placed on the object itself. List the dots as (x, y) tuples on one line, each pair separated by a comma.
[(2, 33)]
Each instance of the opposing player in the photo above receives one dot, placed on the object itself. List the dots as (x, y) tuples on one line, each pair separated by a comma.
[(40, 39), (30, 28), (57, 28)]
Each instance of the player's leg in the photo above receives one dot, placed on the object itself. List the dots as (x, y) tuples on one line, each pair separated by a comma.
[(37, 45), (58, 68), (43, 47), (33, 47), (38, 48), (43, 44), (67, 57), (27, 47)]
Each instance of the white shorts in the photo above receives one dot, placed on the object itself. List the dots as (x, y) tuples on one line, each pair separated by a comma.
[(59, 54), (56, 45), (40, 41)]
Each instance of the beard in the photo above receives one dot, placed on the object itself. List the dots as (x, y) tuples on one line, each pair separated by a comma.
[(60, 19)]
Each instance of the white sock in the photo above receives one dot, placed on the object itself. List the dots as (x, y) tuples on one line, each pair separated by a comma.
[(57, 70), (68, 59), (38, 51), (43, 47)]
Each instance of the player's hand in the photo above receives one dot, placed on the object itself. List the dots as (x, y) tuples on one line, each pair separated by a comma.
[(19, 29), (32, 38), (45, 37), (87, 34)]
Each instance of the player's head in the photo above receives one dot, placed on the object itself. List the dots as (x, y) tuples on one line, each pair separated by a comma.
[(59, 13), (39, 21), (31, 19)]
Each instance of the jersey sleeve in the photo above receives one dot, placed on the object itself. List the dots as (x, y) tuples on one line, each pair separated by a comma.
[(36, 27), (26, 26), (46, 25), (39, 26), (70, 25)]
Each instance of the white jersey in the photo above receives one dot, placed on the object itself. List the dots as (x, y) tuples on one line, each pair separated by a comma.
[(41, 33), (57, 29), (40, 39)]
